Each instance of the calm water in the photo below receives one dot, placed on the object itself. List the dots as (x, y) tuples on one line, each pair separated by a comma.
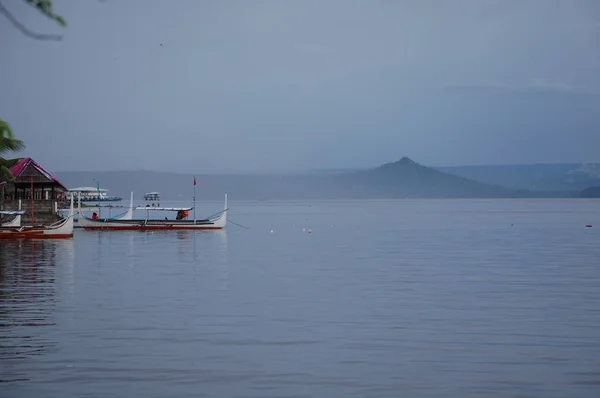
[(383, 299)]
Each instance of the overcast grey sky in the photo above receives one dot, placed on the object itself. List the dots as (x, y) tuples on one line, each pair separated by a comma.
[(252, 85)]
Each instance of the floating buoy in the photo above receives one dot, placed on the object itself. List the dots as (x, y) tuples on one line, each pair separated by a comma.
[(271, 231), (310, 231), (303, 229), (588, 226)]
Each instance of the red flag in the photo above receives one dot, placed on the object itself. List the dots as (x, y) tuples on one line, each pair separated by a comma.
[(194, 180)]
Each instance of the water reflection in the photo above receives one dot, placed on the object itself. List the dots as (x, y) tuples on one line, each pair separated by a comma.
[(205, 252), (27, 297), (222, 267), (195, 244)]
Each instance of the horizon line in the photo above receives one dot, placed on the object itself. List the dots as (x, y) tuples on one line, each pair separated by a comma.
[(321, 170)]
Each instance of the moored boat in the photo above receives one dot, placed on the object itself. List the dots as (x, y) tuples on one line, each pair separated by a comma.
[(91, 194), (214, 222), (16, 217), (15, 222), (59, 230)]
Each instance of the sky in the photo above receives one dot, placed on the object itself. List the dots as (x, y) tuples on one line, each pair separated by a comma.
[(256, 86)]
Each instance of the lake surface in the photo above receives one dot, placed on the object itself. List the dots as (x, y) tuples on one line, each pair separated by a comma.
[(433, 298)]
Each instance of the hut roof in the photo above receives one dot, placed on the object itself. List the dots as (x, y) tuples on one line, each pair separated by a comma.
[(22, 164)]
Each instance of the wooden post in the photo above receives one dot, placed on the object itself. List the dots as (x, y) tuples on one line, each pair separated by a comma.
[(32, 214)]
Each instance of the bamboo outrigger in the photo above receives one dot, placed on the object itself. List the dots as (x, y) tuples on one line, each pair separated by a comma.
[(127, 222)]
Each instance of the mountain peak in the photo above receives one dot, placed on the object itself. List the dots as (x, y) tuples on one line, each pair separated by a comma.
[(407, 178), (405, 160), (405, 163)]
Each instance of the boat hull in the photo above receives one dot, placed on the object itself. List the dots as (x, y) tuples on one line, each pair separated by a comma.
[(150, 225), (150, 228), (15, 222), (32, 235)]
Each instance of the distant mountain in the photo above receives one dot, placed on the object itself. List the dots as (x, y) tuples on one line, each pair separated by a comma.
[(406, 178), (535, 177), (591, 192), (402, 179)]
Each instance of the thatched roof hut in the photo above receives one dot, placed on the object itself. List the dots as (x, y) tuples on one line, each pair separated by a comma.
[(33, 187)]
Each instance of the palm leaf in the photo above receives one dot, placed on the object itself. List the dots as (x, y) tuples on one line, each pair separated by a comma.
[(5, 174), (8, 142), (45, 7)]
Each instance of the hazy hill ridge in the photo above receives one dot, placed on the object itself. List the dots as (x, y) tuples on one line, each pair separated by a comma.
[(401, 179), (535, 177)]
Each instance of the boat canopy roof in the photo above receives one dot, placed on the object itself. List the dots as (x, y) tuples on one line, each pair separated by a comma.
[(163, 208), (13, 213), (152, 193), (87, 189)]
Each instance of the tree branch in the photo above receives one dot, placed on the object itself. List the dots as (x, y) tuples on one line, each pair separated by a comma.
[(24, 29)]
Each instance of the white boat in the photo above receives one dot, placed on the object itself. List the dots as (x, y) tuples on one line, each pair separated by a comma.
[(215, 222), (16, 221), (92, 194), (59, 230)]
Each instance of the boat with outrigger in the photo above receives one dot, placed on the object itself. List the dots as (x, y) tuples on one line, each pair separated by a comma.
[(61, 229), (126, 222), (16, 218), (11, 218)]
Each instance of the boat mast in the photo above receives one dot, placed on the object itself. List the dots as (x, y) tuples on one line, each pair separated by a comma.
[(98, 191), (194, 199)]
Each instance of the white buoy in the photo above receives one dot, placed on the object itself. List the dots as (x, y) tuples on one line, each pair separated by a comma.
[(271, 231), (303, 229)]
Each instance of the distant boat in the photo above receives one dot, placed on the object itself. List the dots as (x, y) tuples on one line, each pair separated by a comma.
[(152, 196), (214, 222), (92, 194)]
